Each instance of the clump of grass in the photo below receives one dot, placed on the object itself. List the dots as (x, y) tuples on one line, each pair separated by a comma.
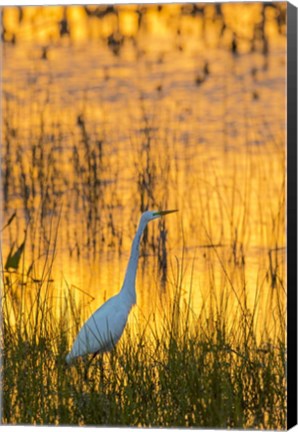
[(176, 368), (152, 171)]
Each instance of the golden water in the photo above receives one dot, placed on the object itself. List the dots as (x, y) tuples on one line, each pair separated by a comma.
[(91, 136)]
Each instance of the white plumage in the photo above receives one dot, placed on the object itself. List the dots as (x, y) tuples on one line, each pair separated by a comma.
[(103, 329)]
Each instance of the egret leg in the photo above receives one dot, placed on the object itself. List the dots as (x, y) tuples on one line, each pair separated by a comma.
[(88, 365), (102, 374)]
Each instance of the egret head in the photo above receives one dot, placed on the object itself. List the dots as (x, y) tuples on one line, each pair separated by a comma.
[(150, 215)]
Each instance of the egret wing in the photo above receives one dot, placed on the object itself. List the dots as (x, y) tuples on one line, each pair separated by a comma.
[(102, 330), (106, 326)]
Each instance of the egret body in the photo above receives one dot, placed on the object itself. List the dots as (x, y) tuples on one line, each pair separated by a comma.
[(103, 329)]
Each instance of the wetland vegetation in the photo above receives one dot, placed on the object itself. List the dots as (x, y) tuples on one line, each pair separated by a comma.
[(176, 106)]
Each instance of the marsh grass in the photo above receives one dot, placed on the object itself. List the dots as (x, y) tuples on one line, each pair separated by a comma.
[(176, 368), (217, 362), (211, 350)]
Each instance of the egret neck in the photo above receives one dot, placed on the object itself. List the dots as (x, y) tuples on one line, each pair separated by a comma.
[(129, 284)]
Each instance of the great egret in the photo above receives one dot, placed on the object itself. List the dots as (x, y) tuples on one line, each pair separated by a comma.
[(103, 329)]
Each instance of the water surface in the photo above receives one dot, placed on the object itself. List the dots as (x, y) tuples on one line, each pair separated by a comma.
[(114, 119)]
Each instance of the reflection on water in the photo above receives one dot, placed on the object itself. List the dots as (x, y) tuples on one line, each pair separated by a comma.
[(109, 111)]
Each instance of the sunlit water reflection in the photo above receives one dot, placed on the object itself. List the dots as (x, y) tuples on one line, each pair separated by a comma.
[(171, 120)]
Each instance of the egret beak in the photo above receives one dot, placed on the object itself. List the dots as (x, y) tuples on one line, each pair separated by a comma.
[(164, 212)]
